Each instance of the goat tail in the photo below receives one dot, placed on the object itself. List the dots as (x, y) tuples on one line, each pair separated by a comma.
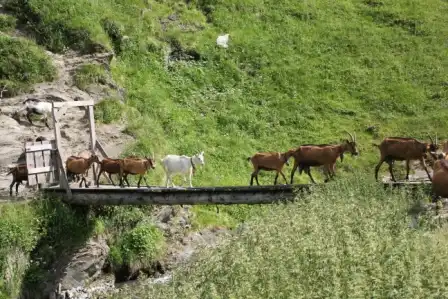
[(376, 145), (248, 158)]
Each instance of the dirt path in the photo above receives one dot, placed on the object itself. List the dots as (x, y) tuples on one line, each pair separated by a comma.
[(74, 125)]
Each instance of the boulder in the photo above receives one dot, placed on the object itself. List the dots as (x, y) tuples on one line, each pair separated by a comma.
[(86, 264)]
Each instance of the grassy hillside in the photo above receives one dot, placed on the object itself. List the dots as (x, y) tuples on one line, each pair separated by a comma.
[(350, 240), (22, 64), (294, 73)]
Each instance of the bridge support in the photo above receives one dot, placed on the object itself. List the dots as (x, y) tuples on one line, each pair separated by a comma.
[(179, 196), (113, 195)]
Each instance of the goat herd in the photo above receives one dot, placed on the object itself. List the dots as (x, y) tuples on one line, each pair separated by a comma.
[(305, 156)]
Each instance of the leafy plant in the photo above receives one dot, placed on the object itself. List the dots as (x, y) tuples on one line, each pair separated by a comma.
[(89, 74), (7, 23), (22, 64), (108, 110), (138, 247), (346, 239)]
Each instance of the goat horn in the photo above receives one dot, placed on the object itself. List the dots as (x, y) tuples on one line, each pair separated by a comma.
[(430, 138), (354, 134), (351, 136), (436, 139)]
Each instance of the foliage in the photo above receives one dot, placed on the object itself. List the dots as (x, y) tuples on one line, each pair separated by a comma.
[(294, 73), (33, 236), (18, 235), (138, 247), (108, 111), (61, 24), (7, 23), (22, 64), (89, 74), (347, 239)]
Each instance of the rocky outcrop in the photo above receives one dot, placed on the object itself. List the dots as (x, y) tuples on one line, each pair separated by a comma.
[(86, 265), (74, 124)]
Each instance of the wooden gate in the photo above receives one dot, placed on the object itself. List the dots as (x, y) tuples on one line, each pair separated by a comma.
[(42, 164)]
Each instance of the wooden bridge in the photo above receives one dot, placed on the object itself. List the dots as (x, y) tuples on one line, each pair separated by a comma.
[(46, 167), (227, 195)]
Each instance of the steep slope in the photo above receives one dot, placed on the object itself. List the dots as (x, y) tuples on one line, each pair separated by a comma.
[(296, 72), (65, 71), (346, 240)]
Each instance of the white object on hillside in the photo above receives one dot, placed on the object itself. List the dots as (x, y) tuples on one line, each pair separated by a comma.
[(222, 40)]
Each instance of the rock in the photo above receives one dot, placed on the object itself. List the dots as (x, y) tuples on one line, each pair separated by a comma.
[(165, 214), (86, 265), (100, 290)]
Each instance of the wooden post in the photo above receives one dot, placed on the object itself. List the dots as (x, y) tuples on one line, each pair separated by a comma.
[(59, 154), (94, 144), (92, 139), (100, 147)]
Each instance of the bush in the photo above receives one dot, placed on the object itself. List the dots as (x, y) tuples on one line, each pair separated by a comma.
[(350, 239), (89, 74), (7, 23), (108, 111), (19, 233), (58, 28), (22, 64), (138, 247)]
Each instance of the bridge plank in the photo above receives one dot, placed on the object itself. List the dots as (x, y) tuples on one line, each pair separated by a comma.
[(73, 104), (174, 196), (110, 195)]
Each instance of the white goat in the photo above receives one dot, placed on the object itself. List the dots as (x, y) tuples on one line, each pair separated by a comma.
[(174, 164), (35, 106)]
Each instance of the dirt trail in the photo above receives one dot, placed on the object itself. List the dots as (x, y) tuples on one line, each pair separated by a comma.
[(74, 125)]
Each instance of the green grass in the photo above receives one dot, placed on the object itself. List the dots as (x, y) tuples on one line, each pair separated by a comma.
[(22, 64), (37, 235), (138, 247), (299, 72), (108, 111), (7, 23), (295, 72), (348, 239), (89, 74), (32, 237)]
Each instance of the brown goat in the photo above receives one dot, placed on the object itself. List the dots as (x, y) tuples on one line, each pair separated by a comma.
[(328, 169), (86, 155), (269, 161), (134, 166), (110, 166), (307, 156), (404, 149), (19, 174), (440, 178), (79, 166)]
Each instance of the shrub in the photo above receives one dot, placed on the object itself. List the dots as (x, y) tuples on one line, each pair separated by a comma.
[(58, 28), (108, 111), (138, 247), (22, 64), (89, 74), (350, 239), (19, 233), (7, 23)]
